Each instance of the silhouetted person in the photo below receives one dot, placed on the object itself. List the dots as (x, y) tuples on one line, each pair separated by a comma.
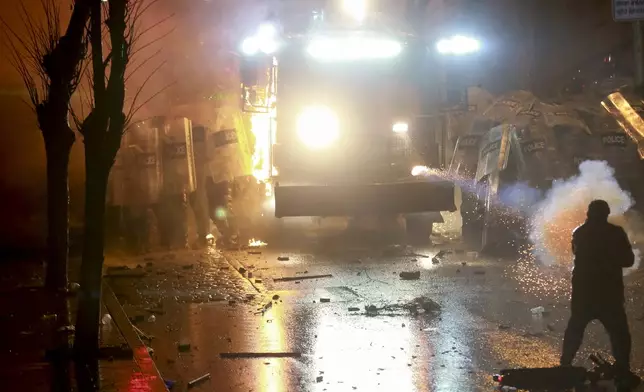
[(601, 250)]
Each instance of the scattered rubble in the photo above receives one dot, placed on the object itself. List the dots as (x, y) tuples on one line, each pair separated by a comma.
[(183, 346), (410, 275), (439, 257), (106, 320), (198, 380), (416, 306), (297, 278)]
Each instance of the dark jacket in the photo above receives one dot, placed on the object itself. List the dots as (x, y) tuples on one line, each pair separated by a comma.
[(601, 250)]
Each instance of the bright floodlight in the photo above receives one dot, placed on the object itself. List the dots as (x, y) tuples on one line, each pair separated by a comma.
[(265, 41), (250, 46), (400, 127), (267, 31), (352, 48), (458, 45), (357, 9), (318, 127)]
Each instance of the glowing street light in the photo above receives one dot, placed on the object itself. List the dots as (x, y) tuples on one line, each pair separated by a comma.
[(458, 45)]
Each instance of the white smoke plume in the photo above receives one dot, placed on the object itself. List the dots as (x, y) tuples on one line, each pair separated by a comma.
[(564, 208)]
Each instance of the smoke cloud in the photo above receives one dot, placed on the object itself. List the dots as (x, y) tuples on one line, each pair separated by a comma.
[(564, 208)]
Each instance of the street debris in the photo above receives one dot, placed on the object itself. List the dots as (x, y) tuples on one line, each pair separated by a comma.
[(416, 306), (283, 258), (439, 257), (183, 346), (106, 320), (410, 275), (276, 297), (198, 380), (297, 278), (319, 379), (325, 300), (240, 355)]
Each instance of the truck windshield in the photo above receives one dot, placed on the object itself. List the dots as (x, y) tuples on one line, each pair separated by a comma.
[(386, 81)]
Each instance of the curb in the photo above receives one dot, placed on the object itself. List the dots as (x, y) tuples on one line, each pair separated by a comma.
[(232, 261)]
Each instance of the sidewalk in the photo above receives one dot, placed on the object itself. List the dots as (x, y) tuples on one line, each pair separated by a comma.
[(28, 322)]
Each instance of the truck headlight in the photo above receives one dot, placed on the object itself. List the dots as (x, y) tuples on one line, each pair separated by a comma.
[(400, 127), (318, 127)]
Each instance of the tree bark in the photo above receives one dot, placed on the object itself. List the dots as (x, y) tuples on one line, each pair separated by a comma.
[(57, 150), (89, 300)]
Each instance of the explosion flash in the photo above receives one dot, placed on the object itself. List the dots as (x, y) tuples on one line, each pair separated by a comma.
[(564, 209)]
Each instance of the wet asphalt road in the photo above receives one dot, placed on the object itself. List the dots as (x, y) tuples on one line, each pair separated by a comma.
[(484, 323)]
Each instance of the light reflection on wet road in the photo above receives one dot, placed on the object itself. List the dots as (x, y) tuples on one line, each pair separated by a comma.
[(484, 324)]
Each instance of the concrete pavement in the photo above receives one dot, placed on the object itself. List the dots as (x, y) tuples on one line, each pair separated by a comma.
[(484, 322)]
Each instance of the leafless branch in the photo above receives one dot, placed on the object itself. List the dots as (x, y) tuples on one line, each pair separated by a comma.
[(148, 44), (28, 50), (140, 89), (142, 64)]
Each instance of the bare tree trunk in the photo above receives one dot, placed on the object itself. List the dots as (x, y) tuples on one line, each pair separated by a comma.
[(57, 150), (89, 300)]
